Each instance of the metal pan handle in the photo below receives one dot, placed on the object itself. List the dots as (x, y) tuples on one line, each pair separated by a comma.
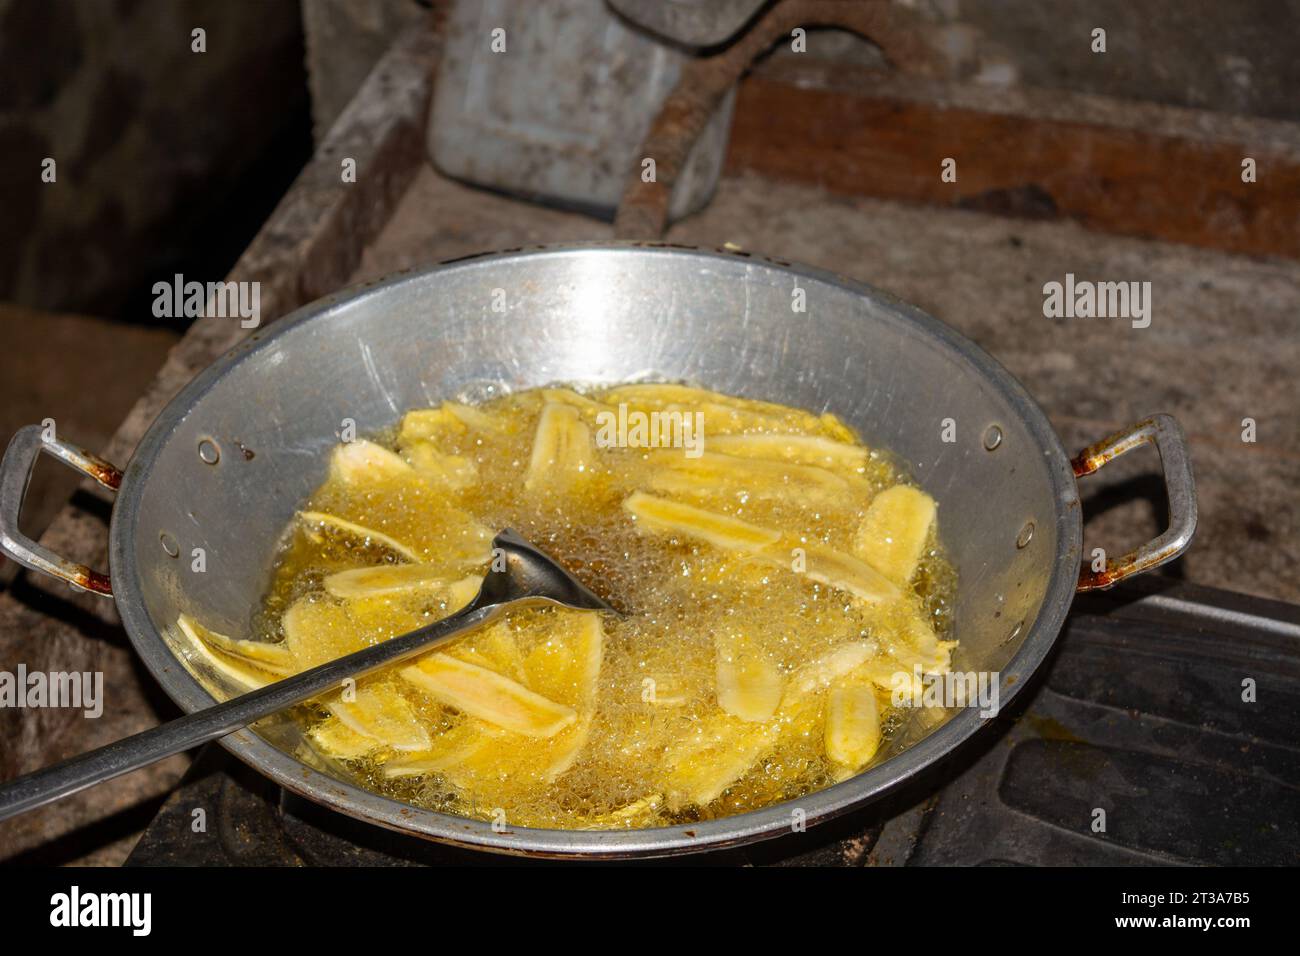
[(1166, 434), (15, 474)]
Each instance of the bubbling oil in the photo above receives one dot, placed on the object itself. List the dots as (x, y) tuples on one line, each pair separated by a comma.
[(657, 679)]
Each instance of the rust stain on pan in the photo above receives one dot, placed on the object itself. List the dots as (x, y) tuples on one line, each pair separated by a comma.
[(89, 580), (107, 475), (1090, 459)]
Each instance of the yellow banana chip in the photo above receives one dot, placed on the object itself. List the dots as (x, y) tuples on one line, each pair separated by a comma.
[(261, 655), (816, 675), (318, 629), (562, 448), (749, 683), (472, 418), (671, 517), (638, 813), (335, 739), (243, 673), (837, 570), (383, 714), (489, 696), (452, 471), (383, 580), (429, 425), (567, 396), (712, 473), (567, 668), (717, 752), (799, 448), (919, 646), (319, 521), (448, 750), (373, 498), (894, 531), (852, 724), (362, 462)]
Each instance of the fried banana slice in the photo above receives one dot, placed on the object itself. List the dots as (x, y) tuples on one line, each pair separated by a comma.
[(454, 472), (261, 655), (335, 739), (671, 517), (835, 569), (801, 449), (320, 523), (713, 473), (489, 696), (750, 684), (361, 462), (894, 532), (852, 724), (562, 448), (372, 497), (384, 579), (382, 714), (718, 751), (244, 673)]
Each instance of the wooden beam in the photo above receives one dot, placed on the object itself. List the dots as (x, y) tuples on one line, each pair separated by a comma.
[(1136, 169)]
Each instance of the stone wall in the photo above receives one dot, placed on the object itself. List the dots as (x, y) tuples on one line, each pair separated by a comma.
[(161, 152)]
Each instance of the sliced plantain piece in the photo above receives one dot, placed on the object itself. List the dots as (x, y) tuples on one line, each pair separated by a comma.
[(719, 750), (713, 472), (835, 428), (394, 508), (562, 653), (384, 579), (566, 667), (273, 658), (450, 749), (241, 672), (671, 517), (750, 684), (472, 418), (638, 813), (562, 448), (454, 472), (909, 656), (489, 696), (665, 689), (383, 714), (567, 396), (818, 674), (336, 739), (495, 648), (320, 523), (852, 723), (837, 570), (727, 411), (918, 646), (894, 531), (433, 425), (784, 446), (318, 629), (362, 462)]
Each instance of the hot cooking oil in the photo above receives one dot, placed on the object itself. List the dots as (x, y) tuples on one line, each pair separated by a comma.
[(710, 696)]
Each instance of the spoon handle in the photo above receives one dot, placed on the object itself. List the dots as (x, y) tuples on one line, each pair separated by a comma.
[(131, 753)]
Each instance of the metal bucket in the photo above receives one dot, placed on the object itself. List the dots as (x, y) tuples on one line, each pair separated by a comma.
[(227, 463)]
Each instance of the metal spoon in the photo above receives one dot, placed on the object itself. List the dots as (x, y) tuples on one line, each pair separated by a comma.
[(520, 574)]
